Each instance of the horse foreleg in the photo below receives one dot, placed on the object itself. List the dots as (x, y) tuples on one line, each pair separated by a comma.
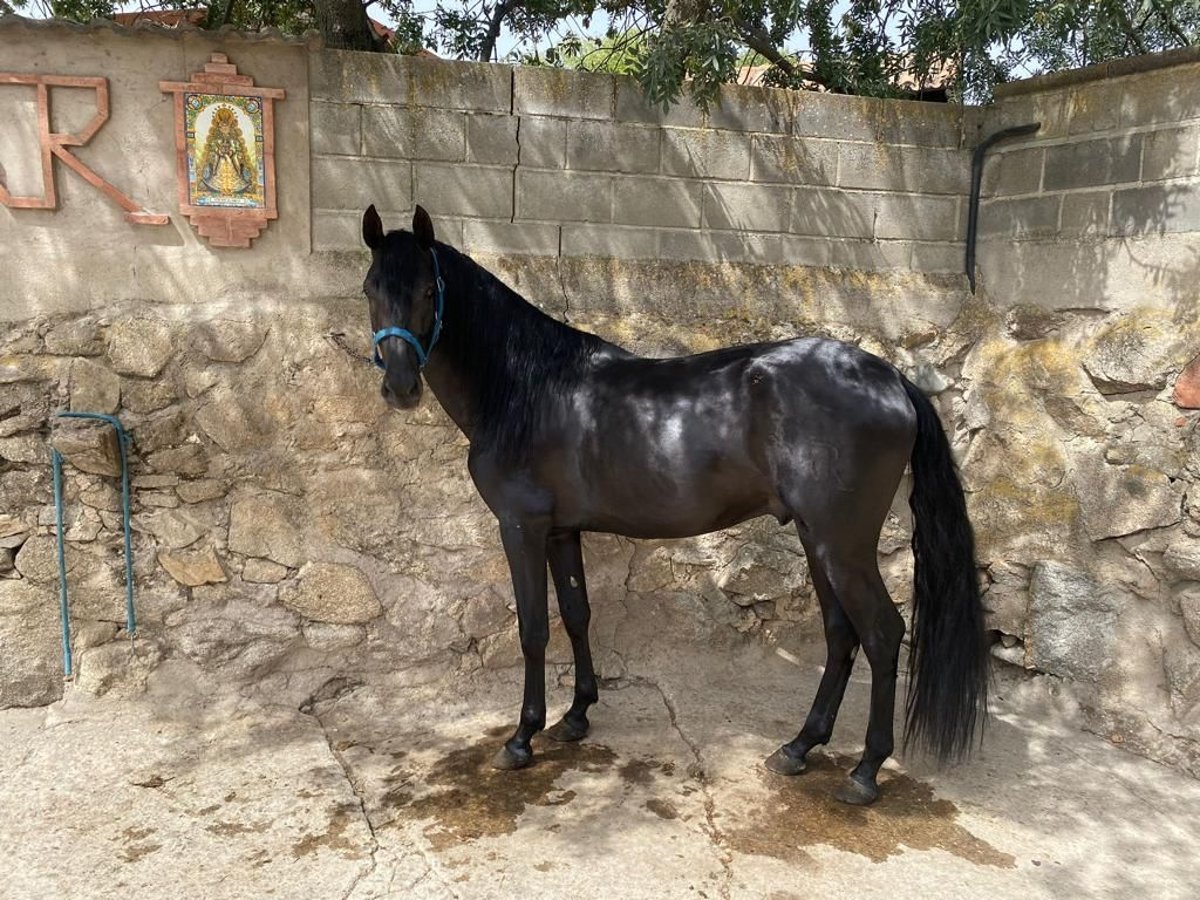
[(566, 566), (525, 547)]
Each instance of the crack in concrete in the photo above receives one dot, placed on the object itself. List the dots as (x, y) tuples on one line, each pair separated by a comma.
[(711, 829), (562, 278)]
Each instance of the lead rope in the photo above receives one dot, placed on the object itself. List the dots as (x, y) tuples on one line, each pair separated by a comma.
[(64, 606)]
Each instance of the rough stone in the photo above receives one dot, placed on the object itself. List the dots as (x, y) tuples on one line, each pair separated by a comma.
[(227, 340), (240, 639), (119, 669), (1072, 623), (485, 615), (188, 460), (1187, 386), (200, 491), (13, 532), (1182, 557), (23, 448), (193, 568), (30, 649), (79, 337), (1136, 353), (7, 557), (139, 346), (263, 571), (266, 525), (1120, 500), (334, 593), (229, 422), (37, 560), (147, 396), (757, 573), (1189, 606), (172, 528), (90, 446), (328, 637), (93, 387)]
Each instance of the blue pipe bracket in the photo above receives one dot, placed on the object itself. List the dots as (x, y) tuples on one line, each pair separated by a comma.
[(56, 465)]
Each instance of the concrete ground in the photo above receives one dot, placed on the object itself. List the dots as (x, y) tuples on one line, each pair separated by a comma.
[(382, 790)]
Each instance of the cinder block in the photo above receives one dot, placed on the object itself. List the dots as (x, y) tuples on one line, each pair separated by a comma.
[(741, 107), (1085, 215), (832, 213), (452, 84), (335, 128), (416, 133), (342, 182), (938, 257), (870, 255), (632, 106), (1166, 96), (503, 238), (1170, 153), (609, 241), (542, 142), (563, 92), (337, 230), (836, 116), (748, 207), (662, 202), (1157, 209), (1094, 106), (887, 168), (1049, 108), (483, 192), (564, 196), (790, 160), (918, 218), (1012, 172), (1088, 163), (1021, 218), (611, 147), (350, 77), (492, 140), (706, 153), (921, 124), (721, 246)]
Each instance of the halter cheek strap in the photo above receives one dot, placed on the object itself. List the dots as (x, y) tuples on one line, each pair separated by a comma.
[(405, 335)]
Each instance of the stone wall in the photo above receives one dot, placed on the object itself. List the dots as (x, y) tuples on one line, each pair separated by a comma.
[(291, 531)]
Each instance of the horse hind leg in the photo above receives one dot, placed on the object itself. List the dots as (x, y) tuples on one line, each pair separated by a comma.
[(841, 646), (859, 588)]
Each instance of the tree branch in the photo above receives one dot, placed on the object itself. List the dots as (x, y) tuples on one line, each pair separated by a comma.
[(1131, 33), (1169, 21), (499, 13), (757, 39)]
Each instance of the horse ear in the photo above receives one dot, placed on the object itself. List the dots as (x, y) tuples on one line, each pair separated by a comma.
[(423, 227), (372, 228)]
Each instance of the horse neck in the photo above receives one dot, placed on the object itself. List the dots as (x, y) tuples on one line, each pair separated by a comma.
[(478, 354)]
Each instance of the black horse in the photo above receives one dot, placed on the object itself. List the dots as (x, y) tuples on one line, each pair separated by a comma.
[(570, 433)]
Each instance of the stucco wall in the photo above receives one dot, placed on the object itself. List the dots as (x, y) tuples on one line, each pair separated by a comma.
[(290, 530)]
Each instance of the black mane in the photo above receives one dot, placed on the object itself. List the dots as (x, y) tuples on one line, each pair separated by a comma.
[(516, 354)]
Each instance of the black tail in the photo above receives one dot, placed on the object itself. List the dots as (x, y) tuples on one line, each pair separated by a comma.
[(948, 661)]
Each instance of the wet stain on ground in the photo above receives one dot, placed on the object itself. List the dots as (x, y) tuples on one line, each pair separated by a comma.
[(334, 836), (801, 812), (664, 809), (469, 799), (136, 845), (232, 829)]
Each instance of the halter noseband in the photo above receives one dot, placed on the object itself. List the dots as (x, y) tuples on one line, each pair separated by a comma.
[(406, 335)]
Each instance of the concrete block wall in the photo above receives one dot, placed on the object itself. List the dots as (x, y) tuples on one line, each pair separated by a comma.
[(541, 162), (1113, 172)]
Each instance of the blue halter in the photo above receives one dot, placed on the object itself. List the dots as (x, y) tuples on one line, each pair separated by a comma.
[(406, 335)]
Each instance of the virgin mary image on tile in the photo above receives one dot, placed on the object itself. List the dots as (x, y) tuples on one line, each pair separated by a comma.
[(225, 151)]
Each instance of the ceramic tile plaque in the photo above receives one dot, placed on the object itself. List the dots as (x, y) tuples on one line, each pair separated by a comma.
[(225, 148)]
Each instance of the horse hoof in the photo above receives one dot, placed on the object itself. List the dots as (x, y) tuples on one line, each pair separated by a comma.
[(856, 793), (781, 763), (564, 731), (508, 760)]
